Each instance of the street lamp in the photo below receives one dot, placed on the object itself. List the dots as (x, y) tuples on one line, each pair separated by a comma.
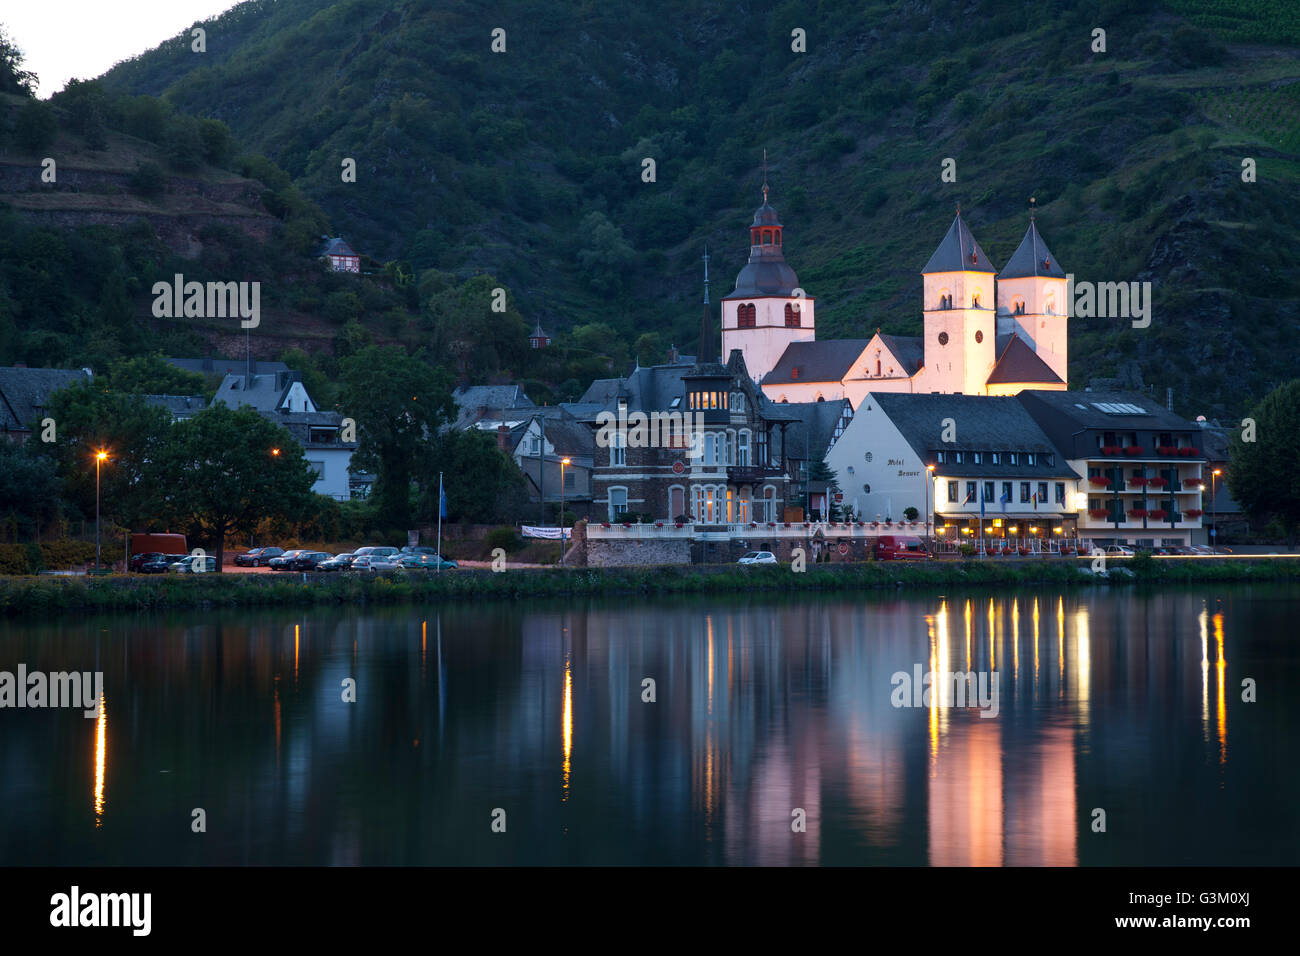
[(100, 457), (929, 480), (1214, 513), (563, 462)]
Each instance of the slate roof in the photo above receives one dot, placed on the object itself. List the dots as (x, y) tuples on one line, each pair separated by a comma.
[(1078, 410), (981, 423), (179, 407), (908, 350), (825, 361), (955, 252), (336, 247), (1020, 363), (266, 393), (300, 424), (25, 392), (1032, 258), (476, 402), (815, 425)]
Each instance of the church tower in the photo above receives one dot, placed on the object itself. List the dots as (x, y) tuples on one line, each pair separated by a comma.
[(767, 311), (960, 329), (1031, 299)]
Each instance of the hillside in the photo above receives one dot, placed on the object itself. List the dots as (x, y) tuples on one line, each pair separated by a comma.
[(526, 164)]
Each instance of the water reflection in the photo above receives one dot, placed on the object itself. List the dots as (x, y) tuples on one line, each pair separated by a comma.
[(767, 713)]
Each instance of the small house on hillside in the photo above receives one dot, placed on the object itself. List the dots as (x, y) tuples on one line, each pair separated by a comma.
[(539, 339), (339, 255)]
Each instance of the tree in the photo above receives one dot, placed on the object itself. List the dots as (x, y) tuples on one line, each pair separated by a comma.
[(89, 417), (13, 78), (36, 126), (225, 470), (483, 484), (398, 402), (1264, 473), (87, 108), (31, 495), (606, 257), (466, 325), (153, 375)]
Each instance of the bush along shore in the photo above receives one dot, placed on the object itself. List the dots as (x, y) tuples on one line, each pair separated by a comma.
[(50, 595)]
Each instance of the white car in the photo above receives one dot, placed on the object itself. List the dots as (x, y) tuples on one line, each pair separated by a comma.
[(1119, 551), (758, 557)]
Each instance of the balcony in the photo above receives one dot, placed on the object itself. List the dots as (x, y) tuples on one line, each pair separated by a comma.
[(752, 474)]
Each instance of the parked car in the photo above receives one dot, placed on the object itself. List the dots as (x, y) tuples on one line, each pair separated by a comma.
[(757, 557), (160, 563), (1118, 551), (192, 564), (340, 562), (284, 562), (899, 547), (306, 561), (425, 562), (372, 551), (372, 563), (257, 557), (138, 560)]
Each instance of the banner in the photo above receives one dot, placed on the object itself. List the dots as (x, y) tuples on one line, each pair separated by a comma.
[(534, 531)]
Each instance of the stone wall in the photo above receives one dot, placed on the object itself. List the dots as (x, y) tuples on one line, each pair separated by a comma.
[(605, 553)]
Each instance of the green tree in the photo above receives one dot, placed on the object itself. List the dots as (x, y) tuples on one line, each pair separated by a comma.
[(398, 402), (36, 126), (90, 417), (483, 484), (225, 470), (13, 78), (153, 375), (31, 494), (87, 107), (606, 257), (183, 143), (1264, 474), (214, 136), (467, 326)]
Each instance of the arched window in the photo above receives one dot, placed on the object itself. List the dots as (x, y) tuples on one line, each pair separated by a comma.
[(676, 502), (745, 314), (618, 449), (1050, 308), (877, 367), (792, 316), (975, 300), (617, 503), (742, 447)]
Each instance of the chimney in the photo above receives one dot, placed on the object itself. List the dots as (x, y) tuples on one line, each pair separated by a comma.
[(503, 437)]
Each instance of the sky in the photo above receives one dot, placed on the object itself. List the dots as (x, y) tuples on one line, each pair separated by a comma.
[(63, 39)]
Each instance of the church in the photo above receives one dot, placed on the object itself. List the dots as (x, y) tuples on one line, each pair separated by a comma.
[(985, 332)]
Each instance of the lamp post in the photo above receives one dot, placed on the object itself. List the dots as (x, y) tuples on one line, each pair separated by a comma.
[(100, 457), (563, 462), (1214, 512), (929, 480)]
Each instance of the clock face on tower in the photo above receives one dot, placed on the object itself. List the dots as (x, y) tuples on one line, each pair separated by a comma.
[(979, 336), (943, 338)]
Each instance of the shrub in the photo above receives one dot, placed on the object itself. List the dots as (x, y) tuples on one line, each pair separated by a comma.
[(504, 537)]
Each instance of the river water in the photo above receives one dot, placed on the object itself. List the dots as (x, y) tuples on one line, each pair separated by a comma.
[(1113, 731)]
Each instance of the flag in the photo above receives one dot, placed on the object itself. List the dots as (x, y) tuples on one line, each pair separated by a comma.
[(442, 500), (970, 496), (1035, 501), (1004, 499), (981, 502)]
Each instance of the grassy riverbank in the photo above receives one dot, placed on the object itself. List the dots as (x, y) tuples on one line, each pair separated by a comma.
[(46, 595)]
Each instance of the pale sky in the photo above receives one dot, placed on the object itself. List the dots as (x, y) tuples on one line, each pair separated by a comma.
[(63, 39)]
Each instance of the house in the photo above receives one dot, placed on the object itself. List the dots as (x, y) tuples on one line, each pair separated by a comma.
[(338, 255), (540, 443), (25, 393), (282, 398), (974, 467), (179, 407), (986, 332), (539, 339), (1142, 466), (222, 367)]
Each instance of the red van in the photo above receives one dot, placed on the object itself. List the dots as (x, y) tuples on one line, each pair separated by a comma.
[(898, 547)]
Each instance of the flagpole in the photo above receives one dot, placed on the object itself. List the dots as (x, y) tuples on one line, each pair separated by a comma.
[(439, 523)]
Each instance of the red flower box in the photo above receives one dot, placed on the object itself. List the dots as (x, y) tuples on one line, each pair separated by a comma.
[(659, 524), (786, 525), (1193, 513), (1157, 482), (1099, 514), (753, 524), (1100, 481), (1193, 483), (1159, 514), (1110, 449), (1137, 512), (1139, 482), (604, 524), (1133, 450), (679, 524), (1166, 449), (1187, 452), (771, 524)]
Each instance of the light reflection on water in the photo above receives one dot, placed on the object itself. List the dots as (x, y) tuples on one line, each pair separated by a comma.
[(768, 713)]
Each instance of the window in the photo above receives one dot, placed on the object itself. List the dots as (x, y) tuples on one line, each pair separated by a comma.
[(1042, 492), (952, 491), (970, 492), (941, 457), (1060, 492), (866, 489), (1011, 458), (792, 316), (1006, 492), (745, 314), (997, 457), (317, 469), (977, 457), (988, 491), (570, 481), (738, 405), (617, 503), (957, 457), (1024, 492), (676, 502), (618, 450), (742, 448)]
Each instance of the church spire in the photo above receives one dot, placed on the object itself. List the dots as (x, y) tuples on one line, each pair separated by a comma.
[(765, 177)]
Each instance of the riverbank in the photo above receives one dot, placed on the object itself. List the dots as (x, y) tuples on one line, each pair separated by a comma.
[(46, 596)]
